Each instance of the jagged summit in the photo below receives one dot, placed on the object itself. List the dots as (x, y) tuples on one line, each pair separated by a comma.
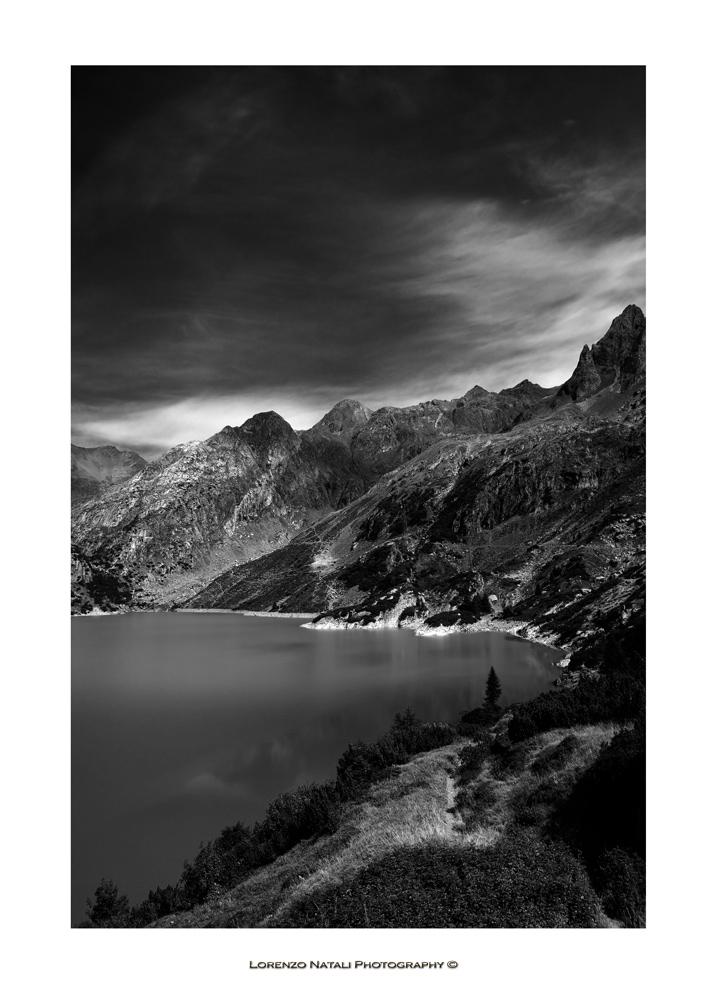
[(618, 356), (527, 388), (344, 419), (475, 392)]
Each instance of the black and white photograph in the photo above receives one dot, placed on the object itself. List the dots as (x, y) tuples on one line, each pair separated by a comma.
[(358, 498), (385, 656)]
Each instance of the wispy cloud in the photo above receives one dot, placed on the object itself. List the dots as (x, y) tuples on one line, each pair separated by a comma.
[(282, 239)]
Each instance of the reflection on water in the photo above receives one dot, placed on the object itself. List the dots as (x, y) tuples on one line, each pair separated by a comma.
[(182, 724)]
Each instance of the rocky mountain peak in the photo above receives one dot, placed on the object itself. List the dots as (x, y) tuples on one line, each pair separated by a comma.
[(344, 419), (269, 435), (268, 422), (526, 388), (475, 392), (619, 357)]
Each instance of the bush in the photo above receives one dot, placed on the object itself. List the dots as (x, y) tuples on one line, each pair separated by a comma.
[(607, 807), (484, 717), (472, 758), (109, 909), (473, 801), (552, 758), (507, 758), (620, 879), (158, 904), (520, 882), (616, 697), (306, 811), (363, 763)]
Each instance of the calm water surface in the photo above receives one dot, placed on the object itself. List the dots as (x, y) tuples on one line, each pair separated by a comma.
[(185, 723)]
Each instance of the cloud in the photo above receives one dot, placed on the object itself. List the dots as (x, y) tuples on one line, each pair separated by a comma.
[(520, 301), (208, 784), (284, 238), (152, 430), (455, 294)]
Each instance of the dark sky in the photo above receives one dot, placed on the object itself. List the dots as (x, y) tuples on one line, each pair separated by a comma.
[(248, 239)]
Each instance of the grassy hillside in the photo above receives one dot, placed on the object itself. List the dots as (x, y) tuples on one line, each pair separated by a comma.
[(530, 818), (437, 844)]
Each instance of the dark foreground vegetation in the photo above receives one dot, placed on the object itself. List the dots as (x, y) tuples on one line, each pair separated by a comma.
[(519, 882), (307, 811), (571, 841)]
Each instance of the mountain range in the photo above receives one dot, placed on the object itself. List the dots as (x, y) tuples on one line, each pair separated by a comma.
[(526, 504)]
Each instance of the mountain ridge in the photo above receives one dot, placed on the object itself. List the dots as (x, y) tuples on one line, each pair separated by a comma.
[(209, 514)]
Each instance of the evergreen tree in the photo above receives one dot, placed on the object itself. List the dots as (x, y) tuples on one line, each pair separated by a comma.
[(492, 690), (109, 909)]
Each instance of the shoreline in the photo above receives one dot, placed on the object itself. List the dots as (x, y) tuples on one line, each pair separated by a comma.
[(248, 614), (517, 628)]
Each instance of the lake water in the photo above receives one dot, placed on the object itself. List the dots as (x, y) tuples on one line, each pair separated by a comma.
[(185, 723)]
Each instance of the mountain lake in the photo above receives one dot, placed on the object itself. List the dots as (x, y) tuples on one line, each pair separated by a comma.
[(183, 724)]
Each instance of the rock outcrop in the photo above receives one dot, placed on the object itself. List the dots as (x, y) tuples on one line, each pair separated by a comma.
[(619, 357)]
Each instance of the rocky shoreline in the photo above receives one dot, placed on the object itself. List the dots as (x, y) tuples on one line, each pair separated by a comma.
[(488, 623), (394, 618)]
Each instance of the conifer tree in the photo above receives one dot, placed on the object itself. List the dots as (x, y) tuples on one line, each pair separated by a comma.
[(492, 690)]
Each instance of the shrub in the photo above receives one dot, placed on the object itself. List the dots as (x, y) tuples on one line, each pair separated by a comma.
[(472, 801), (109, 909), (607, 807), (617, 697), (472, 758), (552, 758), (363, 763), (484, 717), (620, 879), (534, 801), (507, 758), (520, 882), (296, 815), (158, 904)]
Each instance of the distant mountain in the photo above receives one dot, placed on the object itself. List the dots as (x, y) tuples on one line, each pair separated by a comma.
[(95, 469), (343, 420), (523, 500)]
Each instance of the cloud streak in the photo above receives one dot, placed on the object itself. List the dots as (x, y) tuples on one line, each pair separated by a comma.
[(281, 239)]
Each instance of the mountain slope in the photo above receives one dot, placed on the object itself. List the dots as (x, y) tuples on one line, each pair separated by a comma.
[(208, 504), (544, 516), (431, 507), (95, 469)]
